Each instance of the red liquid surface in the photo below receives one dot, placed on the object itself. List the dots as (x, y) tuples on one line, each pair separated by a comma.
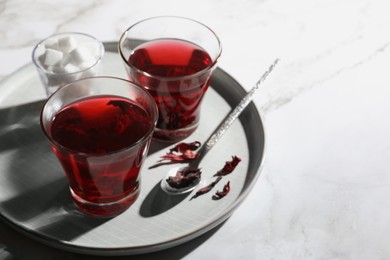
[(98, 126), (178, 99)]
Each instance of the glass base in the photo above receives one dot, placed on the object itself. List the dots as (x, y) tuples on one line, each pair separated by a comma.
[(104, 210), (173, 136)]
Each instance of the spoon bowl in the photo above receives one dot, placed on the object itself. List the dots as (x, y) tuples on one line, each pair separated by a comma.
[(175, 191)]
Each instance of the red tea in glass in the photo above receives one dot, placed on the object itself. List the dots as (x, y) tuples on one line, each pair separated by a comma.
[(179, 100), (173, 58), (101, 141)]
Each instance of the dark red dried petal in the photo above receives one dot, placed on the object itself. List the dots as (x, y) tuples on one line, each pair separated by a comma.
[(182, 152), (206, 188), (186, 156), (224, 192), (184, 178), (229, 166), (189, 155), (181, 147), (173, 157)]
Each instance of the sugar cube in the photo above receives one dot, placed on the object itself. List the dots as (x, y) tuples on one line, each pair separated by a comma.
[(82, 56), (66, 44), (51, 57), (71, 68), (51, 43)]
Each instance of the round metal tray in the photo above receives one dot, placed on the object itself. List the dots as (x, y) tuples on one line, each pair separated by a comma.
[(34, 197)]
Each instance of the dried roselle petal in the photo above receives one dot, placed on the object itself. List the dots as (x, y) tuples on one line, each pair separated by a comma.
[(185, 177), (186, 156), (189, 155), (224, 192), (182, 152), (206, 188), (182, 147), (172, 157), (229, 166)]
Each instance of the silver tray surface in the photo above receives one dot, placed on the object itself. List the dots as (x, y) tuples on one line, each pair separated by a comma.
[(35, 200)]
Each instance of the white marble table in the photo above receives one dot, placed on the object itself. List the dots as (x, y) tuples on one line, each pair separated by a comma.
[(324, 187)]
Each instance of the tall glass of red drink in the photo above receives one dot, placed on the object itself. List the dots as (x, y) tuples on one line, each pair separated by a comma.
[(173, 58), (100, 130)]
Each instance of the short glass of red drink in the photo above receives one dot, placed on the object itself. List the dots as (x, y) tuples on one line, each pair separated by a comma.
[(100, 130), (173, 58)]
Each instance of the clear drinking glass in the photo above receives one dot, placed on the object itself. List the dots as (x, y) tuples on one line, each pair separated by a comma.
[(66, 57), (100, 130), (173, 58)]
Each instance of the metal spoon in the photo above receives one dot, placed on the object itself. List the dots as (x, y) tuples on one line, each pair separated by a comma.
[(214, 138)]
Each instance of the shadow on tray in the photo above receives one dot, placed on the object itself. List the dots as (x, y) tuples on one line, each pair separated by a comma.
[(43, 200), (32, 172), (18, 246)]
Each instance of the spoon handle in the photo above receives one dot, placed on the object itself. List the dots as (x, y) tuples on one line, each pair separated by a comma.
[(214, 138)]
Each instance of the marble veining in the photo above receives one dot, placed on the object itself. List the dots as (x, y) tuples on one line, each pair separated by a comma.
[(324, 186)]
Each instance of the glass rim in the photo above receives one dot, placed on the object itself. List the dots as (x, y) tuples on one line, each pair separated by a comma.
[(139, 141), (38, 64), (196, 74)]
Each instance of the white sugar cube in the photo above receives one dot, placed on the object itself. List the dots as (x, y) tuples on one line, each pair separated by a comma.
[(55, 68), (70, 68), (51, 43), (81, 56), (41, 61), (66, 44), (51, 57)]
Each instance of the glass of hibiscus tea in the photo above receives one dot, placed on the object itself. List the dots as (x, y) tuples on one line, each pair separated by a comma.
[(100, 129), (173, 58)]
